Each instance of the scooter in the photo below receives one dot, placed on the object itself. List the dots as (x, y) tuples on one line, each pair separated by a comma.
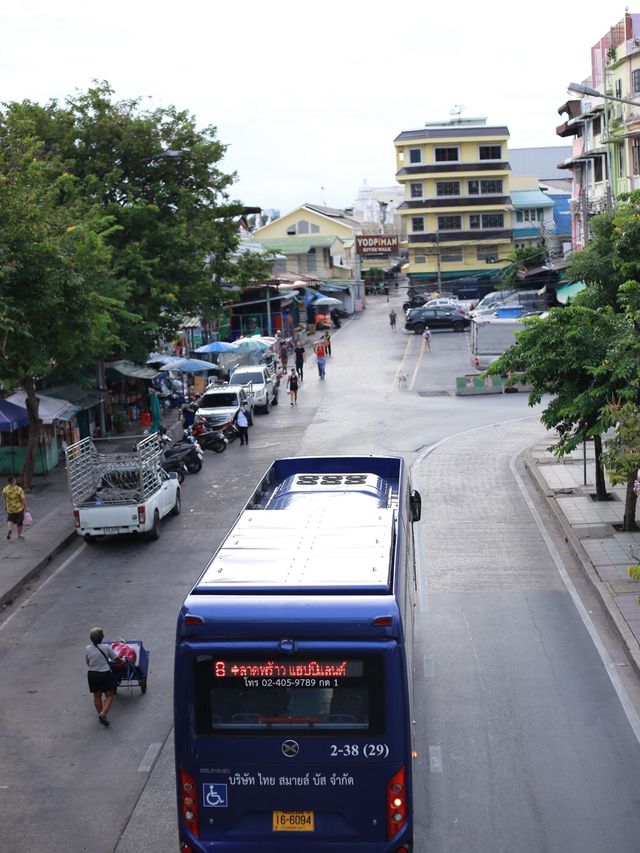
[(175, 464), (188, 452)]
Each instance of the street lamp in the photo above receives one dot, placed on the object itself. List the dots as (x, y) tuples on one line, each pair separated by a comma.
[(579, 89)]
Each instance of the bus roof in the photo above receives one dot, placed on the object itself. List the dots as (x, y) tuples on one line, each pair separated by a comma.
[(305, 545)]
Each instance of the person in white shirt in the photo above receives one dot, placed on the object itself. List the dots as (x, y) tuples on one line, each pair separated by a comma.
[(241, 420)]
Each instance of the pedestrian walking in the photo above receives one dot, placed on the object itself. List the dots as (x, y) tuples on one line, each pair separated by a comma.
[(102, 682), (326, 340), (15, 505), (284, 354), (393, 318), (426, 337), (292, 386), (301, 357), (241, 420), (321, 359)]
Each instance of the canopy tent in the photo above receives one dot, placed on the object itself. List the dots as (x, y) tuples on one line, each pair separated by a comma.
[(50, 409), (126, 369), (12, 417)]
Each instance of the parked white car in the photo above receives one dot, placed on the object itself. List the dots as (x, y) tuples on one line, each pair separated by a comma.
[(263, 382)]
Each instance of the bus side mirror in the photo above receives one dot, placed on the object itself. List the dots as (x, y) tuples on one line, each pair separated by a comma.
[(415, 502)]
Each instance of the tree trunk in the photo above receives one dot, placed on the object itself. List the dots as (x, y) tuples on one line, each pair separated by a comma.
[(630, 502), (601, 486), (32, 404)]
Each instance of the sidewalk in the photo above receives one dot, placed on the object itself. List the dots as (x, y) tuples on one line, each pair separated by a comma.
[(603, 551), (52, 530)]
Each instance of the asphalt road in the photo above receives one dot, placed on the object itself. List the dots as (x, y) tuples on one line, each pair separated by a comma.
[(523, 745)]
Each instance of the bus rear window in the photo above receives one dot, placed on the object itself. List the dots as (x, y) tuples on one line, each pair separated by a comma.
[(263, 695)]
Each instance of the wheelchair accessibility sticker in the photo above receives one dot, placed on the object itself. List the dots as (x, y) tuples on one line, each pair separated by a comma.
[(214, 796)]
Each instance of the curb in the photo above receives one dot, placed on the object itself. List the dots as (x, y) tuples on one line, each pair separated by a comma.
[(9, 595), (599, 587)]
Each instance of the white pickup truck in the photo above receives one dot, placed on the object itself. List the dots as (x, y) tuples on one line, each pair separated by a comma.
[(115, 493)]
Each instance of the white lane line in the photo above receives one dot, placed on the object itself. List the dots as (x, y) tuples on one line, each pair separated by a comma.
[(427, 663), (435, 759), (417, 368), (149, 757), (41, 586), (610, 667), (394, 384)]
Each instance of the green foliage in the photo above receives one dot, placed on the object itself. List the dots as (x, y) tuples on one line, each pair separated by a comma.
[(168, 225)]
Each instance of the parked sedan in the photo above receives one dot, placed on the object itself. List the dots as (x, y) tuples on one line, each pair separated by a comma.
[(442, 317)]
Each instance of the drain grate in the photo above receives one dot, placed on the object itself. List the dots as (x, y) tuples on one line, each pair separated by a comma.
[(434, 393)]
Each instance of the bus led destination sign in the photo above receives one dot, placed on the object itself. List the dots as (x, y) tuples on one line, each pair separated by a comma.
[(377, 244), (288, 669)]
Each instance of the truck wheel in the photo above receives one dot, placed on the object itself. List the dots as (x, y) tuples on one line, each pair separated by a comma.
[(154, 533), (89, 539), (418, 329), (274, 402), (177, 505), (250, 418), (267, 407)]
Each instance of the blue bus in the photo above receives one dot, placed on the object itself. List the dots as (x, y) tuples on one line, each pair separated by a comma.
[(293, 667)]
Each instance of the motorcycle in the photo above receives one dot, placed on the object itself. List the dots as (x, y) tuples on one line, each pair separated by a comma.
[(175, 464), (188, 452), (208, 439)]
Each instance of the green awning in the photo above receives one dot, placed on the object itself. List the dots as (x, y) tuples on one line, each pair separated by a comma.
[(126, 369), (81, 398), (564, 294), (335, 286)]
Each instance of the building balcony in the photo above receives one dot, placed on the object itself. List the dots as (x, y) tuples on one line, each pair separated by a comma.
[(451, 168), (446, 202), (475, 236)]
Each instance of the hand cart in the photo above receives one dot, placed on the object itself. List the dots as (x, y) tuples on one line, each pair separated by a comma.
[(132, 674)]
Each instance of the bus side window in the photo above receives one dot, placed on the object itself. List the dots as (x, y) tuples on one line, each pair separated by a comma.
[(415, 502)]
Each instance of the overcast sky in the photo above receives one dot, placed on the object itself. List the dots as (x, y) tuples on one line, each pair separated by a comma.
[(309, 97)]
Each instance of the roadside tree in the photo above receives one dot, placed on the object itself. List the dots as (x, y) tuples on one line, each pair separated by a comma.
[(58, 303)]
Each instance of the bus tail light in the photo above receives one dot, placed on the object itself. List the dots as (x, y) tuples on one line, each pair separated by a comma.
[(76, 518), (189, 804), (142, 515), (396, 803)]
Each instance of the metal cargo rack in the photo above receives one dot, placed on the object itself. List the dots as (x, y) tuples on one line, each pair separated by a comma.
[(113, 477)]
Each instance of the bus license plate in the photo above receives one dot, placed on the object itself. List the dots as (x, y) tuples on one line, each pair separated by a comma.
[(293, 822)]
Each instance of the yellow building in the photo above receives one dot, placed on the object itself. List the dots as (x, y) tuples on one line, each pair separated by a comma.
[(456, 213), (315, 240)]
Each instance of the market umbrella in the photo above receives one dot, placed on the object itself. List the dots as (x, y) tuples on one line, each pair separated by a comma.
[(251, 345), (12, 417), (216, 346), (326, 300), (190, 365)]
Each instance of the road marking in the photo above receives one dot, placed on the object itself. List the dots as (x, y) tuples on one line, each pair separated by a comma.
[(41, 586), (610, 667), (435, 759), (428, 667), (394, 385), (149, 757)]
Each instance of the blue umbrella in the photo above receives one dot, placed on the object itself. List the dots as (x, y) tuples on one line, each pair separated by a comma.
[(217, 346), (12, 417), (190, 365)]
